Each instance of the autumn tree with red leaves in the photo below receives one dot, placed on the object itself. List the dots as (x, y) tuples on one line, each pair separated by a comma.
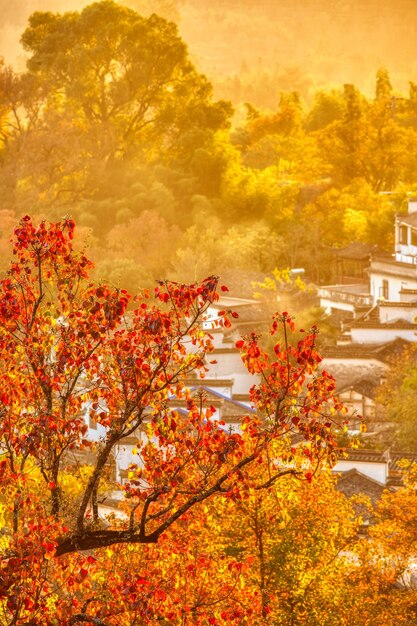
[(67, 344)]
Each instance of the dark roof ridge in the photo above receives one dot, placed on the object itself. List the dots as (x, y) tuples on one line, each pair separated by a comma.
[(355, 472)]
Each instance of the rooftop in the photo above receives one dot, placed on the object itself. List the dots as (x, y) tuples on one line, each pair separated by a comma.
[(364, 386), (372, 323), (381, 351), (362, 455), (353, 483), (357, 251), (410, 219)]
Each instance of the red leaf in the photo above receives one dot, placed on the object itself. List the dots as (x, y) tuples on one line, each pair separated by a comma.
[(83, 573)]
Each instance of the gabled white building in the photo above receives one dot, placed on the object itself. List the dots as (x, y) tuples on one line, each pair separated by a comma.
[(393, 279), (385, 307)]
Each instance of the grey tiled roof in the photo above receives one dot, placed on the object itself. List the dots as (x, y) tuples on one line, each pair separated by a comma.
[(398, 456), (400, 324), (357, 251), (362, 455), (381, 351), (353, 483), (365, 386)]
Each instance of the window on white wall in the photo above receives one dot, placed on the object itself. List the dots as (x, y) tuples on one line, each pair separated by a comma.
[(385, 289)]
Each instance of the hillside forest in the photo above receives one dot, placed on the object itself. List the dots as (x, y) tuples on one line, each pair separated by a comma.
[(112, 124)]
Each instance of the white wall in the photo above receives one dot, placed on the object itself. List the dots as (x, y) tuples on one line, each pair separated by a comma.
[(93, 434), (123, 457), (381, 335), (406, 254), (229, 365), (329, 305), (391, 312), (396, 283), (376, 471), (357, 403)]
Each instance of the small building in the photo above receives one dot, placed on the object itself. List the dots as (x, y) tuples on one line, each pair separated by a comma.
[(354, 483), (385, 467), (360, 399), (384, 306), (352, 262)]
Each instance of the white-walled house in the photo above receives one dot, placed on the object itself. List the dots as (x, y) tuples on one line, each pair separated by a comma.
[(385, 307), (227, 383), (393, 278), (346, 298), (225, 386), (371, 463), (227, 410), (369, 331), (390, 279), (354, 362), (406, 236), (382, 466), (359, 397)]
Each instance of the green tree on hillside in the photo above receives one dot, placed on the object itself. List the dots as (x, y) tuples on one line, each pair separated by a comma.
[(397, 395), (368, 142), (110, 87), (125, 78)]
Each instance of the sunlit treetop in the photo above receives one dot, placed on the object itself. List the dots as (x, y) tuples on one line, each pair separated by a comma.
[(126, 76)]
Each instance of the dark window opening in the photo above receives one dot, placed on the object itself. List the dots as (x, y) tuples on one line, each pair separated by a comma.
[(385, 289)]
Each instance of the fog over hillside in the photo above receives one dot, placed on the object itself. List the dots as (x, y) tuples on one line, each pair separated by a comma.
[(252, 49)]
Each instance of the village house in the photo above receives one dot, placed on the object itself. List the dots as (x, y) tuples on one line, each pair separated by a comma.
[(383, 305)]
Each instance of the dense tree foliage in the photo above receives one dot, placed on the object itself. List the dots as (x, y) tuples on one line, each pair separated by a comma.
[(215, 527), (71, 351), (253, 50), (112, 124), (397, 396)]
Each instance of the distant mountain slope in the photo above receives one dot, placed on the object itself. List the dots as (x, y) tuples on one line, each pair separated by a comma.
[(249, 47)]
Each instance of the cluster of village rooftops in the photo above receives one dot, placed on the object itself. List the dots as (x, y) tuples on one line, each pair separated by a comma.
[(375, 303)]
